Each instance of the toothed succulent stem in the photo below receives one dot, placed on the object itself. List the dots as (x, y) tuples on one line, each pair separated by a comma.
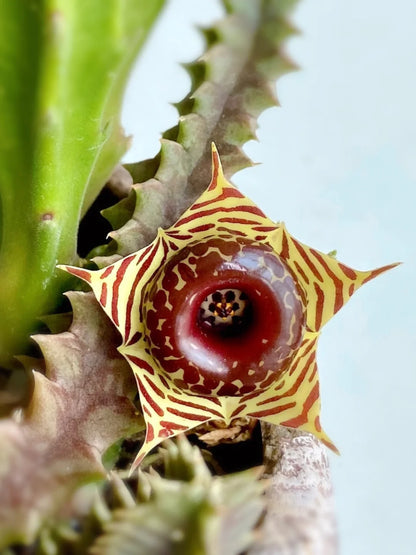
[(64, 65), (233, 82)]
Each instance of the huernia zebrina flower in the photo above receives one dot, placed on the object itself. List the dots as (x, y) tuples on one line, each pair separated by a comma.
[(220, 317)]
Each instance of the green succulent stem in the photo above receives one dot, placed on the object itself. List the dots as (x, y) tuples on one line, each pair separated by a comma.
[(63, 70)]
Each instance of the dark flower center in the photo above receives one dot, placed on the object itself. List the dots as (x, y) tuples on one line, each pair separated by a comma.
[(225, 311)]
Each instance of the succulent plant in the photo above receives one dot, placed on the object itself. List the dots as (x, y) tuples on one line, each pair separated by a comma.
[(218, 307), (64, 67), (220, 316)]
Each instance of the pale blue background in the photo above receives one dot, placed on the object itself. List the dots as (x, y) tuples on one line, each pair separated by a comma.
[(339, 167)]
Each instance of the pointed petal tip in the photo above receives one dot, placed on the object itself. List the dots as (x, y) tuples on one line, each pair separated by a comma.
[(389, 266), (75, 271), (326, 441), (136, 464), (314, 427), (324, 438), (216, 162), (394, 265), (374, 273), (217, 172)]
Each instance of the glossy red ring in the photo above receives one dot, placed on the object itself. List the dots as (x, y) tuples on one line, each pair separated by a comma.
[(223, 363)]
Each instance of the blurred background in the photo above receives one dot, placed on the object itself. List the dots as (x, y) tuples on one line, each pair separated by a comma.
[(338, 165)]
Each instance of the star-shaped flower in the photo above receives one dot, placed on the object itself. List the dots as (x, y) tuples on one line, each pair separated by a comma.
[(220, 316)]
